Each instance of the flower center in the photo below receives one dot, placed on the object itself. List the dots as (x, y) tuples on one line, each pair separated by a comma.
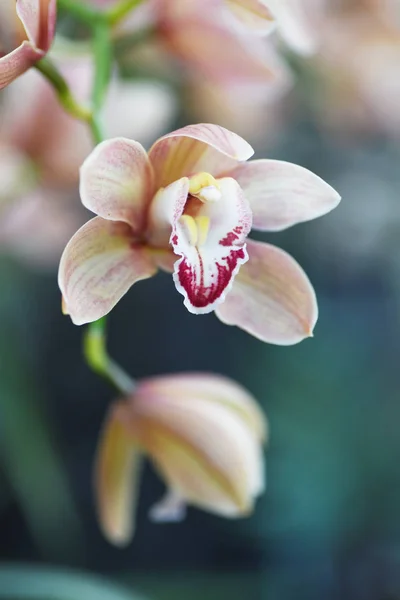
[(204, 187), (195, 228)]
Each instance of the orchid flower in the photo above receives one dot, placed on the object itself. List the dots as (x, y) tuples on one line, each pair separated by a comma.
[(204, 435), (195, 196), (38, 19)]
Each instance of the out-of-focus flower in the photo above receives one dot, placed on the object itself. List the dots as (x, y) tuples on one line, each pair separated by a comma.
[(254, 112), (201, 37), (357, 71), (254, 14), (204, 435), (45, 147), (296, 21), (34, 32), (195, 196), (232, 75)]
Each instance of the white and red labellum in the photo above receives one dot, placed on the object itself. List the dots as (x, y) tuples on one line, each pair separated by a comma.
[(210, 236)]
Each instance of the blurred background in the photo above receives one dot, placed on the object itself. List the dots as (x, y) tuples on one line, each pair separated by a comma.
[(328, 526)]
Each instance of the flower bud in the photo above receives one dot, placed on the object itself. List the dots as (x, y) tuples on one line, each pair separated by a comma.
[(204, 435)]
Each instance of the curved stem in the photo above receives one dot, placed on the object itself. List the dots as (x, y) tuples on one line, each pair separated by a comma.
[(119, 11), (60, 86), (96, 356), (89, 15), (94, 342), (81, 10), (103, 57)]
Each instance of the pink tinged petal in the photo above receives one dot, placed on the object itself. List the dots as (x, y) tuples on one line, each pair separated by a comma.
[(254, 14), (271, 298), (205, 452), (116, 477), (117, 182), (214, 388), (209, 264), (196, 148), (98, 266), (18, 61), (165, 209), (39, 20), (282, 194)]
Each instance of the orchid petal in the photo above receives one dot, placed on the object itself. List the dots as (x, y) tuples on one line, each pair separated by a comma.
[(206, 454), (39, 20), (165, 209), (116, 182), (13, 64), (282, 194), (216, 390), (116, 477), (254, 14), (98, 266), (196, 148), (208, 266), (271, 297)]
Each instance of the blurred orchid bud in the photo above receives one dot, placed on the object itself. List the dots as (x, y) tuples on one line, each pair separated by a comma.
[(204, 435)]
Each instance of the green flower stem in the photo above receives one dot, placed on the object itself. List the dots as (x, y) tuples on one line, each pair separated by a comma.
[(94, 343), (82, 11), (60, 86), (119, 11), (96, 129), (96, 356), (103, 56), (92, 16)]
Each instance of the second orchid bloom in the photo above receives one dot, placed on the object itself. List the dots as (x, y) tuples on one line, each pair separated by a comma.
[(194, 196)]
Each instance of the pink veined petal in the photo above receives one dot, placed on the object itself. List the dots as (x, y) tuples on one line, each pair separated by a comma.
[(282, 194), (28, 12), (116, 477), (206, 270), (49, 26), (165, 209), (18, 61), (116, 182), (39, 20), (196, 148), (254, 14), (271, 298), (214, 389), (205, 452), (98, 266)]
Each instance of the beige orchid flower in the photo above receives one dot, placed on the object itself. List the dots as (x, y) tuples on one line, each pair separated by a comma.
[(204, 435), (195, 196)]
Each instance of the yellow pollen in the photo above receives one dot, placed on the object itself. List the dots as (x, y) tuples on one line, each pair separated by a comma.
[(196, 229), (190, 227), (203, 225), (204, 187)]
